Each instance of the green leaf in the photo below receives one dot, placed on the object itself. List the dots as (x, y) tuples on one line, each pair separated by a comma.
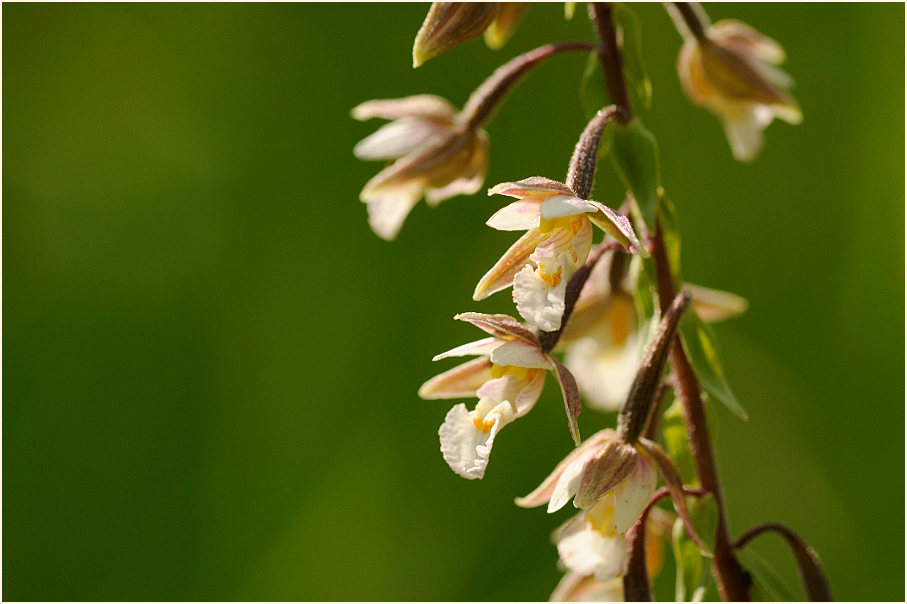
[(692, 571), (634, 153), (702, 350), (704, 514), (645, 290), (634, 68), (674, 432), (670, 232), (592, 93), (766, 579)]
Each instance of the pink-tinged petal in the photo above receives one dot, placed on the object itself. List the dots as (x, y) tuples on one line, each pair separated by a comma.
[(569, 391), (558, 206), (514, 259), (461, 381), (744, 131), (603, 472), (632, 495), (517, 216), (530, 186), (543, 493), (537, 301), (467, 438), (519, 353), (427, 105), (530, 393), (589, 552), (604, 375), (498, 325), (617, 225), (396, 139), (483, 346)]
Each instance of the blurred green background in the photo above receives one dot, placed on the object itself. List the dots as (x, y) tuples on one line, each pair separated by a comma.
[(211, 362)]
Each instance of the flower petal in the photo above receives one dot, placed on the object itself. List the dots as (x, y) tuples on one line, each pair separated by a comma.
[(543, 493), (427, 105), (483, 346), (632, 495), (514, 259), (530, 186), (466, 438), (389, 204), (569, 391), (713, 305), (529, 395), (396, 139), (537, 301), (566, 485), (498, 325), (461, 381), (617, 225), (558, 206), (588, 552), (517, 216), (519, 353)]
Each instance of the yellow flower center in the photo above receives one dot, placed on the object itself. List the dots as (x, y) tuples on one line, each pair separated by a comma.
[(498, 371)]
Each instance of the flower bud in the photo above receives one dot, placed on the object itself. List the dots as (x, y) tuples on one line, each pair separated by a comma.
[(449, 23)]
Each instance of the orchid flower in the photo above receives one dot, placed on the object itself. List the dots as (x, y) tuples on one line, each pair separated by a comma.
[(435, 154), (557, 241), (508, 378), (730, 69)]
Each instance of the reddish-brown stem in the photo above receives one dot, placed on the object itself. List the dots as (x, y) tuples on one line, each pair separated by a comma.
[(811, 574), (732, 581)]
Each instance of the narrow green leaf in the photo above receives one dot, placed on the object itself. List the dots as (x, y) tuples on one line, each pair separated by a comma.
[(692, 571), (634, 153), (670, 232), (645, 291), (766, 579), (702, 349), (674, 432), (704, 514), (592, 93), (634, 68)]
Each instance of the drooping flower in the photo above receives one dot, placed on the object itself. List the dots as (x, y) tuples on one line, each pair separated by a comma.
[(449, 23), (730, 69), (585, 558), (435, 154), (556, 244), (507, 378)]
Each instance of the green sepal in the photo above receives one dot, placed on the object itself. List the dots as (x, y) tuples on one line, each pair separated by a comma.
[(592, 93), (634, 68), (634, 154), (692, 571), (768, 585), (702, 349)]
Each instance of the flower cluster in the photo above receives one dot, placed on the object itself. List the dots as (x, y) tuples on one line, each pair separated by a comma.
[(608, 308)]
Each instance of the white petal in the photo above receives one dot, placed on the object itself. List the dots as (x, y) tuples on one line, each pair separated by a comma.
[(519, 354), (464, 446), (529, 394), (632, 495), (517, 216), (744, 133), (557, 206), (391, 109), (483, 346), (461, 381), (567, 484), (536, 301), (396, 139), (588, 552), (604, 376), (390, 204)]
